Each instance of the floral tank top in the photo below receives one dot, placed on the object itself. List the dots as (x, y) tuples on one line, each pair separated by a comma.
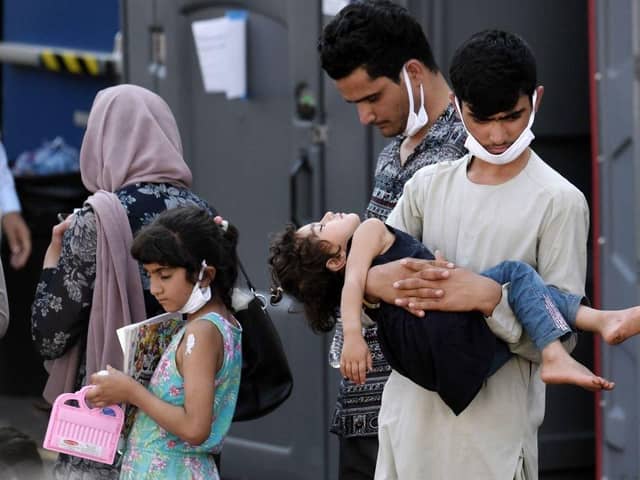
[(154, 453)]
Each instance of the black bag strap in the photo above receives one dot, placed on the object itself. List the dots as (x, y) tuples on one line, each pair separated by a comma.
[(261, 298), (246, 277)]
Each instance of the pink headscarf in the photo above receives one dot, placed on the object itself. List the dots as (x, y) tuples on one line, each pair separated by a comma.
[(131, 137)]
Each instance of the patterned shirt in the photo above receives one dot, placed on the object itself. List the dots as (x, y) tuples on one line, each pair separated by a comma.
[(357, 406), (62, 303)]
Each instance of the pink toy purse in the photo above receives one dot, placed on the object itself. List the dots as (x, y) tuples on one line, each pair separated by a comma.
[(81, 431)]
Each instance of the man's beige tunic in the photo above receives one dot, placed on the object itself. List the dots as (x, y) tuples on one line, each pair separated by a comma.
[(537, 217)]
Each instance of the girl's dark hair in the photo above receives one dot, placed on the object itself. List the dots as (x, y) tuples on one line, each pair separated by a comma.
[(298, 265), (183, 237)]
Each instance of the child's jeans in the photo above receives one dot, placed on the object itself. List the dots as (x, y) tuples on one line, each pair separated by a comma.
[(543, 310)]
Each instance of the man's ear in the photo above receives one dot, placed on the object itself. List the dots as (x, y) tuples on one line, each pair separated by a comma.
[(415, 69), (337, 262), (208, 276), (452, 100)]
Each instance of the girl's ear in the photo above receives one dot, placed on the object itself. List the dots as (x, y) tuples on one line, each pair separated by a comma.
[(209, 276), (337, 262)]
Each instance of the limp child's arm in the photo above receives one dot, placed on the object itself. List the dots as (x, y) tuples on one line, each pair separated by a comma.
[(368, 241)]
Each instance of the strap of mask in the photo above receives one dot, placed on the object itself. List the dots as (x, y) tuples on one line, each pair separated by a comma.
[(407, 83), (201, 274)]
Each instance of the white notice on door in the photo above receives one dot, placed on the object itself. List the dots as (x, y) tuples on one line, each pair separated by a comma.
[(221, 45)]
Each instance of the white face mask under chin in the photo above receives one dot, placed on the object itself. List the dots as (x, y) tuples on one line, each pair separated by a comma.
[(510, 154), (199, 296), (415, 122)]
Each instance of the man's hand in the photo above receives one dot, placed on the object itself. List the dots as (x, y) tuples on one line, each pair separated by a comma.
[(452, 289), (383, 280), (19, 238)]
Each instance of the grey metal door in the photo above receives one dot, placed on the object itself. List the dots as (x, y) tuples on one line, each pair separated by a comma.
[(617, 40), (242, 151), (260, 162)]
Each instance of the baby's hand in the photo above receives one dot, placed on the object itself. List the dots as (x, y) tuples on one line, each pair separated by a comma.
[(355, 360), (110, 386)]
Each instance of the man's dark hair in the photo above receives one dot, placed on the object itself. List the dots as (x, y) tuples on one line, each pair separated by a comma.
[(377, 35), (491, 70), (183, 237), (299, 266)]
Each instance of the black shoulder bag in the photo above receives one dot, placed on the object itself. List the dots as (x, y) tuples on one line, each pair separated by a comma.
[(266, 379)]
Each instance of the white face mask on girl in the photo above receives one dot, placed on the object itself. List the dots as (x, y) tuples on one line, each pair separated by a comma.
[(511, 153), (414, 122), (199, 296)]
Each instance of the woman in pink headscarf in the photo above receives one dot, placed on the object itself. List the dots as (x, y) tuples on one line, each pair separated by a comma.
[(131, 160)]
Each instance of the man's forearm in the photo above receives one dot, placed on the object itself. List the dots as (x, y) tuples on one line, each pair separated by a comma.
[(489, 294), (453, 290), (380, 280)]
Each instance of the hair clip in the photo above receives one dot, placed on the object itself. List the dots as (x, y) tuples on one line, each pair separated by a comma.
[(224, 224), (276, 295)]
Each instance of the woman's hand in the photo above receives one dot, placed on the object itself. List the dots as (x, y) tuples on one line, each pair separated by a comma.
[(110, 388), (52, 255), (355, 360)]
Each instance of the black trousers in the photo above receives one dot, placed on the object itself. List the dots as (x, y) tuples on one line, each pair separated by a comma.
[(358, 457)]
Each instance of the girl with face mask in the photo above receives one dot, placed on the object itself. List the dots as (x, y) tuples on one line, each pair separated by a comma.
[(185, 413)]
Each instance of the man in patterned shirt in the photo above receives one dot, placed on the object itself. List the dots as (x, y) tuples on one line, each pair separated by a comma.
[(381, 61)]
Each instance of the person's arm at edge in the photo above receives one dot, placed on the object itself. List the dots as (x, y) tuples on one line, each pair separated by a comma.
[(8, 198), (13, 225), (4, 304)]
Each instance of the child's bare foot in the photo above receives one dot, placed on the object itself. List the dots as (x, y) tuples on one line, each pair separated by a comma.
[(559, 367), (620, 325)]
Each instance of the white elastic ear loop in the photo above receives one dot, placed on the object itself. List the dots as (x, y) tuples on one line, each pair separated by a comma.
[(407, 83), (534, 98), (459, 109), (201, 274)]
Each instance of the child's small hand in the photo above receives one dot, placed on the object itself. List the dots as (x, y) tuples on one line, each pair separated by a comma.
[(355, 360), (109, 389)]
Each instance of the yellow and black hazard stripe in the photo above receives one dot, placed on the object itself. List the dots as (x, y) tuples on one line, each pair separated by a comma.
[(76, 63)]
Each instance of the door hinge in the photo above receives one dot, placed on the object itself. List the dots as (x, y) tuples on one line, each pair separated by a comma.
[(157, 65), (319, 133)]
